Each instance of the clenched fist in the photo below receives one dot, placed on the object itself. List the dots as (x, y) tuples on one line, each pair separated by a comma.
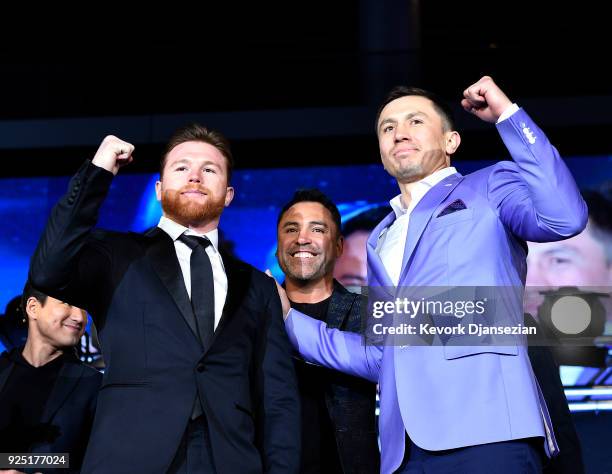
[(113, 153), (485, 100)]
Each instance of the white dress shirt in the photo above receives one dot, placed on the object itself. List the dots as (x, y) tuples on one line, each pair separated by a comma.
[(183, 253), (392, 244)]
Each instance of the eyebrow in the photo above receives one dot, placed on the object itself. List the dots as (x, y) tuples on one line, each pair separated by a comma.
[(563, 249), (406, 117), (318, 223), (180, 160), (321, 223), (189, 161)]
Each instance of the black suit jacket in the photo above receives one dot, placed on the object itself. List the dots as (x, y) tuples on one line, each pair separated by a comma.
[(132, 286), (69, 411), (546, 370), (351, 401)]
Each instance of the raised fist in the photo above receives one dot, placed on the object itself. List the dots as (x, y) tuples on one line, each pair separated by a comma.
[(485, 100), (113, 153)]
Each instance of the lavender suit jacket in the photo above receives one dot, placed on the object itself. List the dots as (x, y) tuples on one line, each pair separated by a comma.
[(448, 397)]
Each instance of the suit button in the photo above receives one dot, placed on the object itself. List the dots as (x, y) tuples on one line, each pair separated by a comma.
[(70, 200), (200, 367)]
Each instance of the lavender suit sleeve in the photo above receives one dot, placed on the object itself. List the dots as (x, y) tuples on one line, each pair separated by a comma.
[(536, 196), (339, 350)]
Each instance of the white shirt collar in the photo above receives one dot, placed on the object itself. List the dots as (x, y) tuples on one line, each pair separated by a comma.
[(175, 230), (420, 189)]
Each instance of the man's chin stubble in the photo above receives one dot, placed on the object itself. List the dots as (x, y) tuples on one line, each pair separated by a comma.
[(409, 175)]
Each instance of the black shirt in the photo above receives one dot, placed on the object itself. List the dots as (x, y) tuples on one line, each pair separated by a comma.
[(319, 448), (23, 401)]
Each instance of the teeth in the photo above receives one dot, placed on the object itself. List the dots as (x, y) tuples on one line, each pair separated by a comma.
[(303, 255)]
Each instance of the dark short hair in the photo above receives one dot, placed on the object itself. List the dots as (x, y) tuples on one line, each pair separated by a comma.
[(312, 195), (198, 133), (28, 292), (365, 220), (440, 106)]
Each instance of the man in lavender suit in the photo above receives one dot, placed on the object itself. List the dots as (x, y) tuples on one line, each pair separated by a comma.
[(455, 408)]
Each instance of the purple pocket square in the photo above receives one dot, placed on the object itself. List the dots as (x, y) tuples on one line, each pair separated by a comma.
[(454, 206)]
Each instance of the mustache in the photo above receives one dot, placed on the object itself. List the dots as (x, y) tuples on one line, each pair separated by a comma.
[(194, 187), (303, 248)]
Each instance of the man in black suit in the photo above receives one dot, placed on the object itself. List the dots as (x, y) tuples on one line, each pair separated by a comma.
[(199, 377), (546, 370), (338, 411), (47, 396)]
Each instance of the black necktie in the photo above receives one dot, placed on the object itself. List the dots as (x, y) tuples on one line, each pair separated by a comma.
[(202, 287)]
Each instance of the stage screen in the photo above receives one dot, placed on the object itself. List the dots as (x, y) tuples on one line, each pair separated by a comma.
[(248, 225)]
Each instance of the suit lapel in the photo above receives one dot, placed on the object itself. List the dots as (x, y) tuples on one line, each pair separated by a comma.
[(162, 255), (238, 279), (377, 275), (339, 306), (421, 215), (66, 382), (6, 367)]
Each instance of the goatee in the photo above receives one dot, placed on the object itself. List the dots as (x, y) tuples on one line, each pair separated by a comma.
[(182, 210), (305, 270)]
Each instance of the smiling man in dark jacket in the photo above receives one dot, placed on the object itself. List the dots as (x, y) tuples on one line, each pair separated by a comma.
[(47, 396), (338, 411)]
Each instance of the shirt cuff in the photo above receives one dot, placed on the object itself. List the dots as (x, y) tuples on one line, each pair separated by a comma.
[(508, 113)]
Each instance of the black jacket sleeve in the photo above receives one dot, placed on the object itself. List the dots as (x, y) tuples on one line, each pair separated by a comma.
[(71, 261)]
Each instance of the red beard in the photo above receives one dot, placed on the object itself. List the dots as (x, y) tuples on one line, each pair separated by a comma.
[(187, 212)]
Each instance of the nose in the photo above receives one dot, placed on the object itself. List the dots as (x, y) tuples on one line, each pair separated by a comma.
[(78, 315), (303, 237), (401, 133), (195, 175)]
